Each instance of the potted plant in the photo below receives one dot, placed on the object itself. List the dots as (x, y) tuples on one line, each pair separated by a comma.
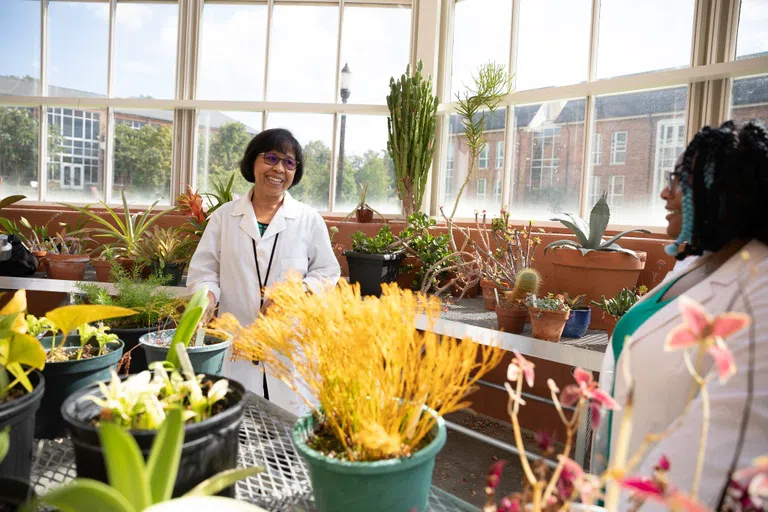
[(21, 387), (511, 311), (411, 134), (156, 308), (374, 260), (67, 257), (15, 491), (548, 316), (134, 485), (167, 251), (377, 388), (617, 306), (211, 411), (104, 262), (590, 265), (73, 362), (35, 238), (424, 250), (362, 211), (581, 315), (192, 204)]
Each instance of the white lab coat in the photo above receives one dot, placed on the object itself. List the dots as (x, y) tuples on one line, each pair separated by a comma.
[(224, 263)]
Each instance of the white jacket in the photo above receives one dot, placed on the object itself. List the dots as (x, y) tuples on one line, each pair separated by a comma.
[(224, 263)]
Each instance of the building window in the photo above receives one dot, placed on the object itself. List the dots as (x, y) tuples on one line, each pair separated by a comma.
[(616, 191), (76, 163), (594, 191), (670, 142), (544, 159), (497, 192), (500, 154), (136, 125), (449, 163), (482, 189), (597, 148), (482, 161), (618, 148)]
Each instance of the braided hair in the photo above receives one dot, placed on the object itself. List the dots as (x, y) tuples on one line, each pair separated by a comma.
[(724, 183)]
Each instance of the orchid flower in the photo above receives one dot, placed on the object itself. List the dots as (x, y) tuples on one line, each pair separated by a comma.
[(586, 388), (588, 485), (700, 328), (520, 365), (757, 475), (659, 490)]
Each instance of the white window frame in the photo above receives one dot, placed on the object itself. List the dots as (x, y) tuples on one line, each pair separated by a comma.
[(597, 148), (619, 149), (545, 164), (497, 191), (594, 190), (499, 154), (482, 192), (616, 199), (666, 151), (483, 157)]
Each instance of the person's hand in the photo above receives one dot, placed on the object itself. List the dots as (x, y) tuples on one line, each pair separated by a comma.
[(267, 303), (208, 314)]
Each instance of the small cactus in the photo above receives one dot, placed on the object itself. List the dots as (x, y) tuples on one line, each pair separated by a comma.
[(528, 281)]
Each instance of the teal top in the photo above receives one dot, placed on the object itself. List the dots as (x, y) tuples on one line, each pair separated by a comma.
[(262, 227)]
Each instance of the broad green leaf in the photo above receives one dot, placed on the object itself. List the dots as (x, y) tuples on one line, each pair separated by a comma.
[(188, 323), (163, 463), (26, 350), (5, 442), (125, 465), (69, 318), (616, 238), (577, 226), (84, 494), (598, 221), (7, 324), (221, 481)]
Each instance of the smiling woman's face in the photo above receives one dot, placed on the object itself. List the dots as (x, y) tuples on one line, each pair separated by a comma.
[(273, 179), (673, 198)]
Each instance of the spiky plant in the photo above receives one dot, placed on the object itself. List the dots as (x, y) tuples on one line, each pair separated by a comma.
[(590, 237)]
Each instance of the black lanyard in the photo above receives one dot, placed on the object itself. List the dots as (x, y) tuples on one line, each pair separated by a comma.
[(269, 267)]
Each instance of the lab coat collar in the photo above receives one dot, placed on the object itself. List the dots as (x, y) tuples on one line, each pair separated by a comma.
[(288, 210)]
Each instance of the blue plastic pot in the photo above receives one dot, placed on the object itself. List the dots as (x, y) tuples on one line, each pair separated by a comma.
[(577, 323), (380, 486), (206, 359), (66, 377)]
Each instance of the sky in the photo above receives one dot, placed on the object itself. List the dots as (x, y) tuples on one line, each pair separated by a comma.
[(553, 50)]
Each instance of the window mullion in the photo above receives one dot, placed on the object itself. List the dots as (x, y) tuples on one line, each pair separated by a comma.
[(42, 140)]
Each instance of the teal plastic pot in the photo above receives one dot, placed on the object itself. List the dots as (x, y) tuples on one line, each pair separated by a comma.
[(64, 378), (206, 359), (393, 485)]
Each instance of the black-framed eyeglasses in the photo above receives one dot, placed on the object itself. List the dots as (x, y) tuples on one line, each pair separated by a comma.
[(673, 178), (289, 164)]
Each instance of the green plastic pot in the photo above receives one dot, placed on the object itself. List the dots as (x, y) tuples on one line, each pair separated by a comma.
[(65, 378), (206, 359), (379, 486)]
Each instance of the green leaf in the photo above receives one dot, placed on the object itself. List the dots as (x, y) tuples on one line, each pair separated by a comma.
[(577, 226), (125, 465), (69, 318), (624, 233), (221, 481), (163, 462), (598, 222), (188, 323), (5, 442), (84, 494)]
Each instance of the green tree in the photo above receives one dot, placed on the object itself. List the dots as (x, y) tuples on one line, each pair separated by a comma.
[(143, 158), (315, 184), (18, 144), (374, 169)]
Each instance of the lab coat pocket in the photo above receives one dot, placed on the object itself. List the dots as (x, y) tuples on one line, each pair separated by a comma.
[(294, 264)]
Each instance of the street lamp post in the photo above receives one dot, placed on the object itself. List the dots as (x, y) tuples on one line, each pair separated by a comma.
[(346, 76)]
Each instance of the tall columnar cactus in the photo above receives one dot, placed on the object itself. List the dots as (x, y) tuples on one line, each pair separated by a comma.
[(411, 125), (528, 281)]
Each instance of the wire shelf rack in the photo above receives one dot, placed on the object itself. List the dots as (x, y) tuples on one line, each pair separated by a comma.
[(265, 440)]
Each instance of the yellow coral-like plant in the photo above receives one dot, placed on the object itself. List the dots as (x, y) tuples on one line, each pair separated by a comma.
[(363, 360)]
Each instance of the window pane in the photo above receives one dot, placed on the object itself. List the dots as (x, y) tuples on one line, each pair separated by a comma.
[(222, 139), (647, 133), (752, 36), (232, 52), (493, 20), (559, 57), (77, 48), (313, 131), (75, 174), (749, 99), (549, 141), (636, 37), (145, 50), (18, 161), (473, 198), (366, 162), (20, 47), (371, 52), (142, 166), (302, 59)]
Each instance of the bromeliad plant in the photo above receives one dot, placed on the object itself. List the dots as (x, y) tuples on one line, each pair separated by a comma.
[(370, 370), (165, 247), (590, 237), (619, 305), (133, 484)]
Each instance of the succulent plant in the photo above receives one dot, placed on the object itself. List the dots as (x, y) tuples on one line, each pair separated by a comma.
[(549, 303), (619, 305), (590, 237), (527, 282)]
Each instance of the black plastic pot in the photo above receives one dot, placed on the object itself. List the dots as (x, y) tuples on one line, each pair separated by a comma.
[(131, 339), (209, 446), (65, 378), (14, 492), (170, 269), (20, 415), (370, 270)]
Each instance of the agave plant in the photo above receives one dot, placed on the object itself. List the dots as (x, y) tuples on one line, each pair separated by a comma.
[(590, 237)]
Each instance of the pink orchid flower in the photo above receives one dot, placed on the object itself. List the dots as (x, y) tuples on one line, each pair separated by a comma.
[(520, 365), (586, 388), (675, 500), (588, 485), (699, 327), (757, 476)]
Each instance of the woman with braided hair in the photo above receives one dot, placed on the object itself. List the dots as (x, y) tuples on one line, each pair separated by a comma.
[(716, 198)]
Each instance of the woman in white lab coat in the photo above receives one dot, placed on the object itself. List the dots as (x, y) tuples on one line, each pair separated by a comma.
[(255, 241)]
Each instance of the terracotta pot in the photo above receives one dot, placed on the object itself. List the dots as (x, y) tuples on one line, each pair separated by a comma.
[(511, 320), (405, 279), (471, 292), (610, 324), (364, 214), (548, 325), (70, 267), (595, 273), (40, 255), (103, 268), (489, 297)]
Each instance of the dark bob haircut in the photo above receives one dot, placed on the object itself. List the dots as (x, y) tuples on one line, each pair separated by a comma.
[(274, 139)]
